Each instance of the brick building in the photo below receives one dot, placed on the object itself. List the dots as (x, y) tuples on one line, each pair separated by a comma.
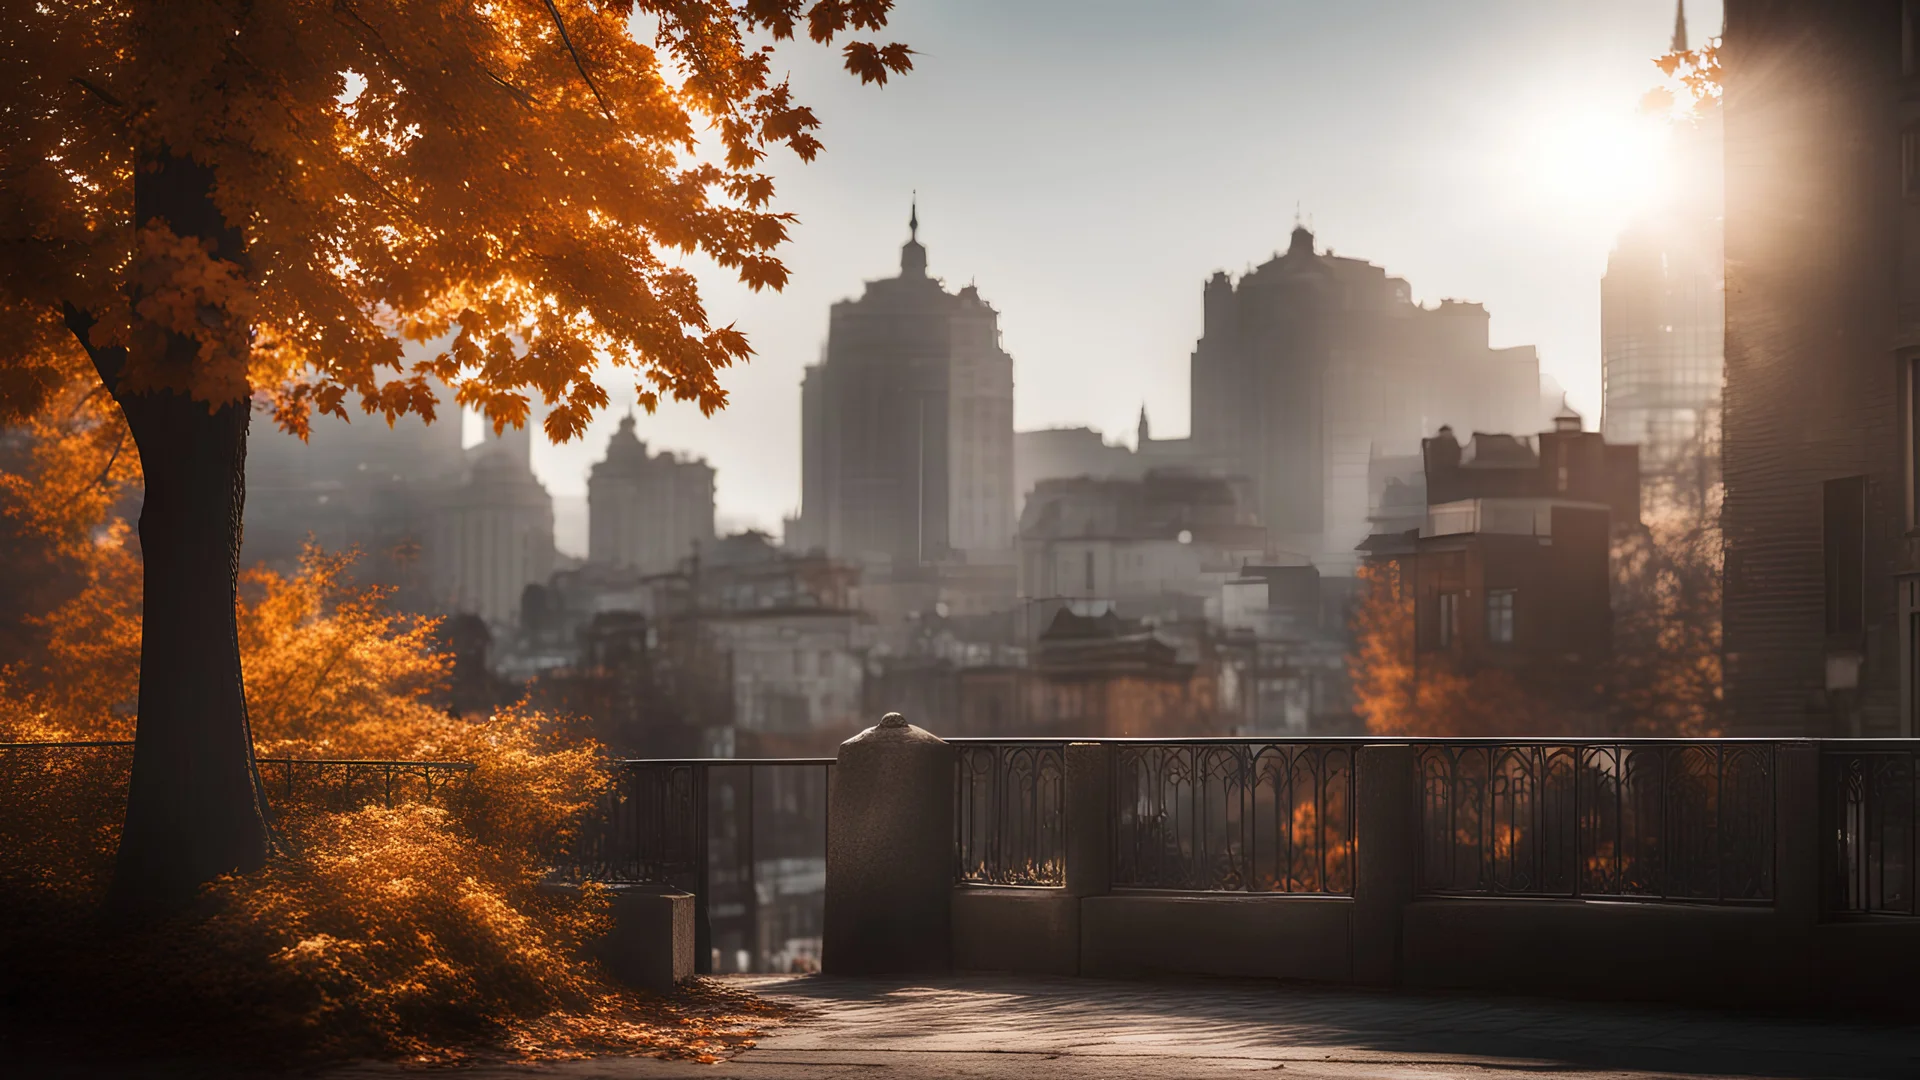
[(1822, 350), (1511, 564)]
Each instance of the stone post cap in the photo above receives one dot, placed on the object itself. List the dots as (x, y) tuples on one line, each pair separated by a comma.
[(893, 727)]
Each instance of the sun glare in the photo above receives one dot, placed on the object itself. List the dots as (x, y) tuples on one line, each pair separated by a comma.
[(1592, 163)]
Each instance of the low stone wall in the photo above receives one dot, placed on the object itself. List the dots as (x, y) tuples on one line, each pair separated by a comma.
[(1028, 931), (1281, 937), (892, 841), (1599, 949)]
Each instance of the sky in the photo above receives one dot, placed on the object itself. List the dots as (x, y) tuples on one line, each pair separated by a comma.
[(1089, 163)]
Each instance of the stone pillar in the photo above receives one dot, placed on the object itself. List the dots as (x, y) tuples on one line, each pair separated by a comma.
[(1798, 861), (1384, 830), (1089, 814), (890, 853)]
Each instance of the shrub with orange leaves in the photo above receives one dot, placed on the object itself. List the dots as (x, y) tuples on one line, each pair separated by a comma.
[(413, 930), (391, 930)]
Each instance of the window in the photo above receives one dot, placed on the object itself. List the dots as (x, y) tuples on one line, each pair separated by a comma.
[(1913, 442), (1910, 162), (1913, 673), (1449, 620), (1910, 37), (1089, 566), (1843, 544), (1500, 616)]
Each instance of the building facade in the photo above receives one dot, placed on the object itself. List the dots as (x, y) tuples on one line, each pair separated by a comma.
[(494, 534), (1822, 123), (1160, 545), (1311, 365), (907, 427), (647, 511), (1663, 311), (1510, 566)]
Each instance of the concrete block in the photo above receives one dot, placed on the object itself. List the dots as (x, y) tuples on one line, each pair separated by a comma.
[(1026, 931), (1272, 936), (651, 943), (890, 863)]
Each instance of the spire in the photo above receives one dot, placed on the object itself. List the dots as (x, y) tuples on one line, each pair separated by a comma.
[(1144, 432), (913, 256), (1680, 27)]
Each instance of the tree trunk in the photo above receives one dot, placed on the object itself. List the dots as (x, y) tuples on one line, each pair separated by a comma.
[(194, 811)]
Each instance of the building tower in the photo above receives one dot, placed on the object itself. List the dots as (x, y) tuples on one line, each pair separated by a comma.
[(646, 512), (907, 425), (1663, 317), (1311, 365), (494, 533)]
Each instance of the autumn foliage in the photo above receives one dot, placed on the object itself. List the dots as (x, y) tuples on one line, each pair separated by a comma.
[(420, 929), (1401, 690), (516, 180)]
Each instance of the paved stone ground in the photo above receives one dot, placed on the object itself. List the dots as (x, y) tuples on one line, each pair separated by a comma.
[(1029, 1029)]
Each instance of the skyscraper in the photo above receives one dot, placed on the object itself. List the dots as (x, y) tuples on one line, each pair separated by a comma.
[(1310, 365), (1663, 309), (646, 511), (907, 425)]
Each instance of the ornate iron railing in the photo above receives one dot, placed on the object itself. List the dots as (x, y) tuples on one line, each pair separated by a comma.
[(1010, 813), (716, 827), (326, 784), (1668, 820), (287, 783), (1234, 816), (1871, 800), (650, 828)]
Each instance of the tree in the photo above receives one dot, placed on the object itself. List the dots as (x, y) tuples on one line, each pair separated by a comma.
[(235, 202), (1400, 690), (1664, 677)]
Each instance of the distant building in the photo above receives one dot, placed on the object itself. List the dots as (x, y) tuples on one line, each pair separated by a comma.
[(1108, 677), (1162, 544), (494, 534), (1822, 401), (907, 427), (646, 511), (1663, 312), (788, 631), (1067, 453), (1310, 365), (1073, 453), (360, 484), (1510, 566), (1284, 652)]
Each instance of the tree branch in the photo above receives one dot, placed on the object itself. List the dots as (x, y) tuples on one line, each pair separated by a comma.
[(577, 64), (110, 361), (89, 86)]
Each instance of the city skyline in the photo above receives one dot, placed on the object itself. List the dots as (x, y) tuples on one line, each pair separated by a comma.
[(1095, 280)]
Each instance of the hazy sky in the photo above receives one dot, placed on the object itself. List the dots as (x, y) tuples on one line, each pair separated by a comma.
[(1090, 163)]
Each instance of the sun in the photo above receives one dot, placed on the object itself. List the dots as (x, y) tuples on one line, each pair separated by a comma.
[(1592, 162)]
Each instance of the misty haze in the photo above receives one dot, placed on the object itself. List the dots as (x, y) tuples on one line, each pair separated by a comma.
[(804, 538)]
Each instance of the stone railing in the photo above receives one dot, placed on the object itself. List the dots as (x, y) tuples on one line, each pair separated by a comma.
[(1778, 871)]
